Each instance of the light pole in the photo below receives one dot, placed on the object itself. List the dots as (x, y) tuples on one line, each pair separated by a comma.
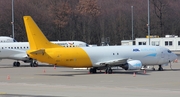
[(148, 23), (12, 19), (132, 22)]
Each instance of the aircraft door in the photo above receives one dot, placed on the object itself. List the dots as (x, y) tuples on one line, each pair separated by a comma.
[(164, 57), (162, 54)]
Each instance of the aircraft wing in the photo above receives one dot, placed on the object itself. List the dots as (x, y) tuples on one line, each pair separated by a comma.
[(113, 62), (40, 51)]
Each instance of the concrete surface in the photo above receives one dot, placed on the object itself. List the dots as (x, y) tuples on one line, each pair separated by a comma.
[(45, 81)]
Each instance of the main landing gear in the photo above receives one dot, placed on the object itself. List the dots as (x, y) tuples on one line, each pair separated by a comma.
[(108, 70), (34, 64), (16, 64), (153, 68), (159, 69), (93, 70)]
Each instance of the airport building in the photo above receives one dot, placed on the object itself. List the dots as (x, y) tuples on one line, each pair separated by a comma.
[(171, 42)]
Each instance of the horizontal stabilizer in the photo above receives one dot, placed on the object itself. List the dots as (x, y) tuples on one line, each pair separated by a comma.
[(40, 51)]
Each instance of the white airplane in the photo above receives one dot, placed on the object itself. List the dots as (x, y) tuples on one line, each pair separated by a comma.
[(6, 39), (17, 50), (98, 57)]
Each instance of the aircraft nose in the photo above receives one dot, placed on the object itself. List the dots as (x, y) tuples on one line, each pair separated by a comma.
[(174, 57)]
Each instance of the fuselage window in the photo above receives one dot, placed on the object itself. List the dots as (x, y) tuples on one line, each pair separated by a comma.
[(24, 47), (14, 47), (117, 53), (17, 47), (2, 47), (113, 53), (27, 47), (11, 47)]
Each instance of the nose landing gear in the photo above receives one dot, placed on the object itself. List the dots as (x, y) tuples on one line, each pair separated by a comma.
[(160, 68)]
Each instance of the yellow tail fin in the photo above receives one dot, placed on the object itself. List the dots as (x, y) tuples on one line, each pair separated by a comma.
[(36, 38)]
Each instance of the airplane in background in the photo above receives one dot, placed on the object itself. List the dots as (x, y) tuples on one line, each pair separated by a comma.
[(6, 39), (17, 50), (98, 57)]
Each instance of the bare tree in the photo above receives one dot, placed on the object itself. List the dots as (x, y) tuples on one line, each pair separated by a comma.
[(60, 13), (159, 9), (91, 10)]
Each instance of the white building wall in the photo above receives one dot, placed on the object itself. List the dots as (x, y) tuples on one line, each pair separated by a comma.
[(168, 42)]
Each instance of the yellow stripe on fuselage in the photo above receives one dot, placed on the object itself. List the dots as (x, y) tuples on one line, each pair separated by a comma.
[(68, 57)]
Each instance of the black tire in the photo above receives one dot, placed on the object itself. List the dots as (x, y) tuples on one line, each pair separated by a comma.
[(109, 71), (94, 70), (90, 70), (106, 71), (160, 69), (35, 64), (31, 64), (15, 64)]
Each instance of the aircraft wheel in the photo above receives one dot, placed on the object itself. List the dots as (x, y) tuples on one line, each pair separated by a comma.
[(92, 70), (106, 71), (160, 68), (14, 64), (31, 64), (153, 69), (17, 64), (109, 71), (35, 64)]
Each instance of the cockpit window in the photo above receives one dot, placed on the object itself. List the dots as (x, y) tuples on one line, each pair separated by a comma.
[(169, 51)]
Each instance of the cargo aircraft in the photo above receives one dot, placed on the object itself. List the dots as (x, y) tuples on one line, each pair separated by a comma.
[(17, 50), (98, 57)]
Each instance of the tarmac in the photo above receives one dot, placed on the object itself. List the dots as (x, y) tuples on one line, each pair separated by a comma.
[(49, 81)]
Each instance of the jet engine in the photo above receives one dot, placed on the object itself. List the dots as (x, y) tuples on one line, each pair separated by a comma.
[(132, 65)]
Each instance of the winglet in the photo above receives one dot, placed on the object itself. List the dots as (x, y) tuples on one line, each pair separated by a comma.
[(36, 38)]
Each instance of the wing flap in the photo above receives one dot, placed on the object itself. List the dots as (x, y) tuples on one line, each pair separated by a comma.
[(113, 62)]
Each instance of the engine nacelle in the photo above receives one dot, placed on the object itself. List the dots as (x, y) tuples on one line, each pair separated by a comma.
[(132, 65)]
